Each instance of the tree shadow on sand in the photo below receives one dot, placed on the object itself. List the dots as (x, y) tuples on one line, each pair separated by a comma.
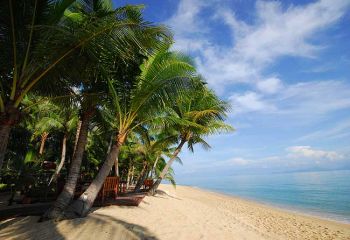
[(164, 193), (95, 226)]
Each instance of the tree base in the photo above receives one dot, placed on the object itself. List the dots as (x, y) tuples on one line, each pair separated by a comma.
[(52, 214)]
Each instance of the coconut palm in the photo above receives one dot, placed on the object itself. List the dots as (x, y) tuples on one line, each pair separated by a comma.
[(130, 36), (41, 40), (69, 116), (22, 64), (195, 115), (162, 76), (44, 115), (153, 147)]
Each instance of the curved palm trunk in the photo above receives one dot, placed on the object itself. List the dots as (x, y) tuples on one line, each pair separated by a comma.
[(63, 158), (44, 136), (81, 206), (142, 178), (67, 194), (165, 170)]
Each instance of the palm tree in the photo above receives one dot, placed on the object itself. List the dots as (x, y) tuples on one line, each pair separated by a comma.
[(194, 116), (45, 115), (162, 76), (152, 147), (21, 64), (130, 35), (41, 40), (69, 122)]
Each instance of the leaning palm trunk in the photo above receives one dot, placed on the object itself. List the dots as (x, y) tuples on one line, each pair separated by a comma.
[(142, 178), (154, 167), (116, 169), (67, 194), (81, 206), (165, 170), (44, 136), (63, 158)]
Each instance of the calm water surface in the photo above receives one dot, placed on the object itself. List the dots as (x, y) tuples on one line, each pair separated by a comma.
[(325, 194)]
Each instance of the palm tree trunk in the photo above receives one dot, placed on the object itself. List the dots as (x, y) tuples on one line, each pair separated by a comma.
[(77, 136), (4, 136), (8, 118), (142, 178), (154, 167), (63, 158), (67, 194), (132, 175), (44, 136), (81, 206), (128, 177), (116, 167), (165, 170)]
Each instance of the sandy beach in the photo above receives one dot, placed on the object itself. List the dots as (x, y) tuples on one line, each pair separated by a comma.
[(184, 213)]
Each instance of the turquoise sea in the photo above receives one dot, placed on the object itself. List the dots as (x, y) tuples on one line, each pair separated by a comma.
[(325, 194)]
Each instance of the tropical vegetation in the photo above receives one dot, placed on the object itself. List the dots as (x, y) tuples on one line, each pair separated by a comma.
[(88, 91)]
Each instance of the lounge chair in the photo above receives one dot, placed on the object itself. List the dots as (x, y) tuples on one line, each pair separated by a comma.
[(109, 186), (148, 183)]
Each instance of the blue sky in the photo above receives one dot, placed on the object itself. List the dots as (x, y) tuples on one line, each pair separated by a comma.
[(283, 65)]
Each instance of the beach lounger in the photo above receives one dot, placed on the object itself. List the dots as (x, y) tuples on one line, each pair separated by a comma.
[(148, 183), (109, 186)]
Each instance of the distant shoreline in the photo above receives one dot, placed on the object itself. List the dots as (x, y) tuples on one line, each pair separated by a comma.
[(322, 194), (287, 208)]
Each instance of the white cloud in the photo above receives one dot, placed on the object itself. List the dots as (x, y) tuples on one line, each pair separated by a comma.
[(269, 85), (338, 130), (250, 102), (308, 152), (308, 100), (275, 31), (184, 21), (282, 31), (239, 161), (315, 98)]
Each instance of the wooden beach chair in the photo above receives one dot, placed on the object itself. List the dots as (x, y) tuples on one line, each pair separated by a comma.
[(148, 183), (109, 186)]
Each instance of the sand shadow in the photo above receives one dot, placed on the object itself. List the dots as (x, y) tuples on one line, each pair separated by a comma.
[(161, 192), (28, 228), (95, 226)]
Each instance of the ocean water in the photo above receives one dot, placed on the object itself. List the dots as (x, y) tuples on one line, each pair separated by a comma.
[(322, 194)]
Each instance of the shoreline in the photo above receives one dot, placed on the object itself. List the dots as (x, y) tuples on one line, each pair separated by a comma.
[(182, 213), (287, 208)]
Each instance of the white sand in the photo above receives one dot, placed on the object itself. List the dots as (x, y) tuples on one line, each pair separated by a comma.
[(187, 213)]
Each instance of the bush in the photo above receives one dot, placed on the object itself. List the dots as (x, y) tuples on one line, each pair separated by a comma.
[(4, 187)]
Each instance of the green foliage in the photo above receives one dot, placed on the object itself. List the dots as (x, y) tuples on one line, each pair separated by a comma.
[(64, 59), (4, 187)]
